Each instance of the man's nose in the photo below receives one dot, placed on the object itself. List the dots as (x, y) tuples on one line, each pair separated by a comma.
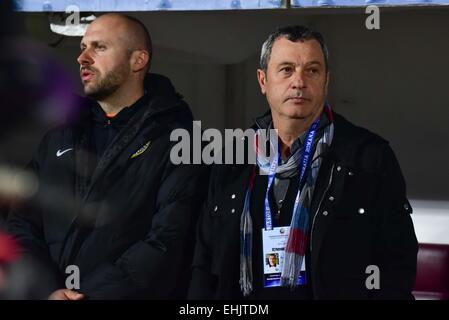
[(298, 79), (84, 58)]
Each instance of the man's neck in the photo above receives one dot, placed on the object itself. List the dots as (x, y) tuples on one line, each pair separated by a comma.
[(113, 104), (289, 130)]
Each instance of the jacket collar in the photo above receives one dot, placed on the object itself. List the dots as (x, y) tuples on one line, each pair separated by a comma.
[(265, 121), (120, 119)]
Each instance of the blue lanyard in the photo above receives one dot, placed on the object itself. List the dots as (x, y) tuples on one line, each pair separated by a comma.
[(306, 156)]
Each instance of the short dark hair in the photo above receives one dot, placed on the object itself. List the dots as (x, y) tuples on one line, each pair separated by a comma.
[(147, 40), (147, 37), (295, 34)]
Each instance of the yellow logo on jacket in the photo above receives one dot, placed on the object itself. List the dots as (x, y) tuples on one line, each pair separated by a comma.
[(141, 150)]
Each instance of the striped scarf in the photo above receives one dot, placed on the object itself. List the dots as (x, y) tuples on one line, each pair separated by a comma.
[(299, 228)]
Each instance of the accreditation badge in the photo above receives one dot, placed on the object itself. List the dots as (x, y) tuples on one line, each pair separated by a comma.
[(273, 243)]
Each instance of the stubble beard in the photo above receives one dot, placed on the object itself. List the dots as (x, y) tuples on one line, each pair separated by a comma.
[(106, 86)]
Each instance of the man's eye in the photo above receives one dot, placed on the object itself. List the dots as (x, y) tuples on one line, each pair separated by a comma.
[(101, 48), (286, 69), (313, 71)]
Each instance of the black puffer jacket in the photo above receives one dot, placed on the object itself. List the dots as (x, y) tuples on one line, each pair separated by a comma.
[(126, 220), (360, 217)]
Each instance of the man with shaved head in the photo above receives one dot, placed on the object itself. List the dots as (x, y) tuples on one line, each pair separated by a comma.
[(115, 57), (121, 223)]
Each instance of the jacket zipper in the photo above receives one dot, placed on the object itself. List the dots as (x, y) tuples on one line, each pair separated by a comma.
[(319, 205)]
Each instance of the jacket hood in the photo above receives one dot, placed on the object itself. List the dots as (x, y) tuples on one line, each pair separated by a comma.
[(165, 103)]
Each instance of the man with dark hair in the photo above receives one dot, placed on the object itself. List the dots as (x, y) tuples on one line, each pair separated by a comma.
[(331, 201), (272, 261), (113, 217)]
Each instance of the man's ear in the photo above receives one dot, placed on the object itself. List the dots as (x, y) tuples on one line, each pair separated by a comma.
[(328, 75), (139, 60), (261, 77)]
